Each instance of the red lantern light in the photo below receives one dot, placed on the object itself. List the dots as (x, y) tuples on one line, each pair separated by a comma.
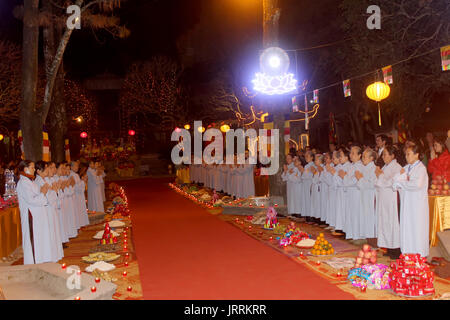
[(83, 135), (131, 132)]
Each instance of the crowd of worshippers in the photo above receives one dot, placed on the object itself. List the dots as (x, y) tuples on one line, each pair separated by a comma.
[(52, 205), (378, 194), (236, 180)]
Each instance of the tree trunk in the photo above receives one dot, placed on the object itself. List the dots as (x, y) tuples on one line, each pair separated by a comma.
[(277, 188), (30, 118), (57, 118)]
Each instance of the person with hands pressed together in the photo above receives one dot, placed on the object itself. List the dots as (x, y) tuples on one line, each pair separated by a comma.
[(412, 184), (366, 183)]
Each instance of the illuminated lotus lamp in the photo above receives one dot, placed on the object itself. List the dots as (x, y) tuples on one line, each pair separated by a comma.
[(378, 91), (274, 77), (131, 132), (83, 135), (225, 128)]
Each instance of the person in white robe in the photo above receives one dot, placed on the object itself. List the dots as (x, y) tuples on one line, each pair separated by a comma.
[(412, 183), (388, 225), (224, 173), (353, 196), (230, 179), (366, 183), (69, 204), (330, 180), (80, 198), (325, 188), (249, 180), (289, 170), (54, 201), (56, 248), (95, 201), (102, 176), (316, 205), (341, 196), (36, 240), (307, 177), (63, 221), (296, 179)]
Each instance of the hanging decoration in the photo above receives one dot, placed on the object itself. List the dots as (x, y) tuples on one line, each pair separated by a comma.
[(445, 57), (346, 85), (187, 126), (269, 127), (387, 75), (402, 129), (67, 150), (45, 147), (131, 132), (316, 96), (294, 104), (83, 135), (287, 136), (274, 78), (378, 91), (225, 128), (20, 138), (332, 136)]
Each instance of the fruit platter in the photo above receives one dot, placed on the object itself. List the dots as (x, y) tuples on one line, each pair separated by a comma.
[(322, 247)]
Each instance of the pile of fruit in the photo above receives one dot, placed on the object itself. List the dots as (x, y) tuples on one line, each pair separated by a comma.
[(366, 256), (322, 247), (439, 187)]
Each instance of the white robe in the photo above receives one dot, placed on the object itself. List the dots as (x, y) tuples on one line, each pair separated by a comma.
[(70, 208), (414, 211), (248, 180), (223, 174), (328, 197), (53, 221), (95, 201), (290, 187), (388, 226), (296, 178), (353, 203), (316, 205), (307, 179), (33, 201), (341, 196), (55, 202), (63, 221), (79, 197), (367, 186), (230, 176), (102, 186)]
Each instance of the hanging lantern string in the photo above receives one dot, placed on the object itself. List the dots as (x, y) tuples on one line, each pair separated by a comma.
[(371, 72)]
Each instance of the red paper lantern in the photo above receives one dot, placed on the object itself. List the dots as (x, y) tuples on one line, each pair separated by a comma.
[(131, 132), (83, 135)]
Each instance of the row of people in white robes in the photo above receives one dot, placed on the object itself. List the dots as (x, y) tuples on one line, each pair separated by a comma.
[(56, 202), (236, 180), (349, 193), (96, 187)]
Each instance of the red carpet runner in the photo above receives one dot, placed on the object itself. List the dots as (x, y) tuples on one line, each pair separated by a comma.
[(185, 253)]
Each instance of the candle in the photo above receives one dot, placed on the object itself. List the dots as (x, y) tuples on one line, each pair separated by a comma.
[(77, 298), (127, 254), (338, 274), (129, 288), (63, 266), (93, 289), (126, 263), (97, 280), (318, 263), (124, 273), (79, 272), (270, 238), (125, 241)]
